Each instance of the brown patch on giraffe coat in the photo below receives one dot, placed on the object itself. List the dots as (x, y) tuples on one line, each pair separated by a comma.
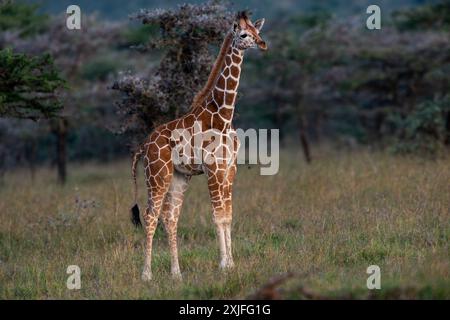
[(161, 141), (205, 122), (213, 107), (172, 125), (229, 98), (218, 97), (221, 82), (165, 132), (235, 71), (217, 122), (187, 121), (237, 59), (231, 84)]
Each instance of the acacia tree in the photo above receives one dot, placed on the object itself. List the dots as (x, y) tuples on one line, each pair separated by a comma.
[(21, 17), (28, 90), (29, 85), (166, 91), (428, 17)]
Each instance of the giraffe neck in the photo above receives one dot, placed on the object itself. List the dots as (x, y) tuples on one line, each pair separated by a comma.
[(221, 91), (225, 90)]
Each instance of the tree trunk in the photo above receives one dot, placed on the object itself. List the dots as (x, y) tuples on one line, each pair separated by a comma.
[(304, 139), (301, 123), (60, 131), (31, 157), (279, 122), (447, 129)]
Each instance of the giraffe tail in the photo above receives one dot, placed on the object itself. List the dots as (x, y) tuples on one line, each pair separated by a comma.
[(135, 215)]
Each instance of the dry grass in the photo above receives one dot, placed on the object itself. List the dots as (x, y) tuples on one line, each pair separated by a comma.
[(326, 223)]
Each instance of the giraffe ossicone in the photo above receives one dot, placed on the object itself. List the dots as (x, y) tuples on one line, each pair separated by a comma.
[(201, 141)]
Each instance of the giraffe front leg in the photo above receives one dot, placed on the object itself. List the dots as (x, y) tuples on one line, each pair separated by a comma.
[(221, 236), (229, 254), (222, 215), (228, 193), (223, 229)]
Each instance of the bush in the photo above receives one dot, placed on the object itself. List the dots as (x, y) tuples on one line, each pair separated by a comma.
[(99, 69), (423, 130)]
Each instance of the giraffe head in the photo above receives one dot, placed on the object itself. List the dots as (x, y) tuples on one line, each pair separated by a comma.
[(246, 33)]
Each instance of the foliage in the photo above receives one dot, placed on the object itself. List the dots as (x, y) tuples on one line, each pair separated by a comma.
[(365, 79), (22, 17), (135, 36), (434, 16), (99, 69), (28, 86), (423, 130)]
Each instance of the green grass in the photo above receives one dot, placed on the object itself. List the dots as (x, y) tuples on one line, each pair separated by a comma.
[(326, 222)]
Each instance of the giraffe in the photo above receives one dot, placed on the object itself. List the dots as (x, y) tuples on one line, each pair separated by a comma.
[(210, 116)]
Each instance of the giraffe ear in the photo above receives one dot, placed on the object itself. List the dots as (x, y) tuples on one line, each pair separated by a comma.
[(258, 24)]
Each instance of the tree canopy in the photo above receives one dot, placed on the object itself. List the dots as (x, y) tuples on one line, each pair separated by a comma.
[(28, 86)]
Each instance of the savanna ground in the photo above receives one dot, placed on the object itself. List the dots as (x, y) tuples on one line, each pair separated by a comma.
[(325, 222)]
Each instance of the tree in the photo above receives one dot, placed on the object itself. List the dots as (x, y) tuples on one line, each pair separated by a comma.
[(21, 17), (428, 17), (28, 86), (28, 83)]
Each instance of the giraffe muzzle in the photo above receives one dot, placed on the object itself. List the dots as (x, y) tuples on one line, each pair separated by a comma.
[(262, 45)]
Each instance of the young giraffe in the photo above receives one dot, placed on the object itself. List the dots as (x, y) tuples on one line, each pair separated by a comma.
[(211, 113)]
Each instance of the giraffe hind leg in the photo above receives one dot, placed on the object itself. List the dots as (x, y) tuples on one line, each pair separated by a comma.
[(159, 176)]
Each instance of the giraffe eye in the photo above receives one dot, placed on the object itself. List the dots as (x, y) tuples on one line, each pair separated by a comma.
[(243, 36)]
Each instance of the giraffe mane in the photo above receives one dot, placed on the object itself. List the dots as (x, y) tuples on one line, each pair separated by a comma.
[(215, 72), (243, 15)]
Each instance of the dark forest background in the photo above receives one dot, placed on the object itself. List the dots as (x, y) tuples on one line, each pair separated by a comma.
[(70, 96)]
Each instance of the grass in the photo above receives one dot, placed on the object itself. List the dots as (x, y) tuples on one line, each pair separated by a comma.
[(325, 222)]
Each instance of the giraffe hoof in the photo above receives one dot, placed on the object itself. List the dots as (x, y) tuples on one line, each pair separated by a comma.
[(146, 276), (226, 266), (177, 276)]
